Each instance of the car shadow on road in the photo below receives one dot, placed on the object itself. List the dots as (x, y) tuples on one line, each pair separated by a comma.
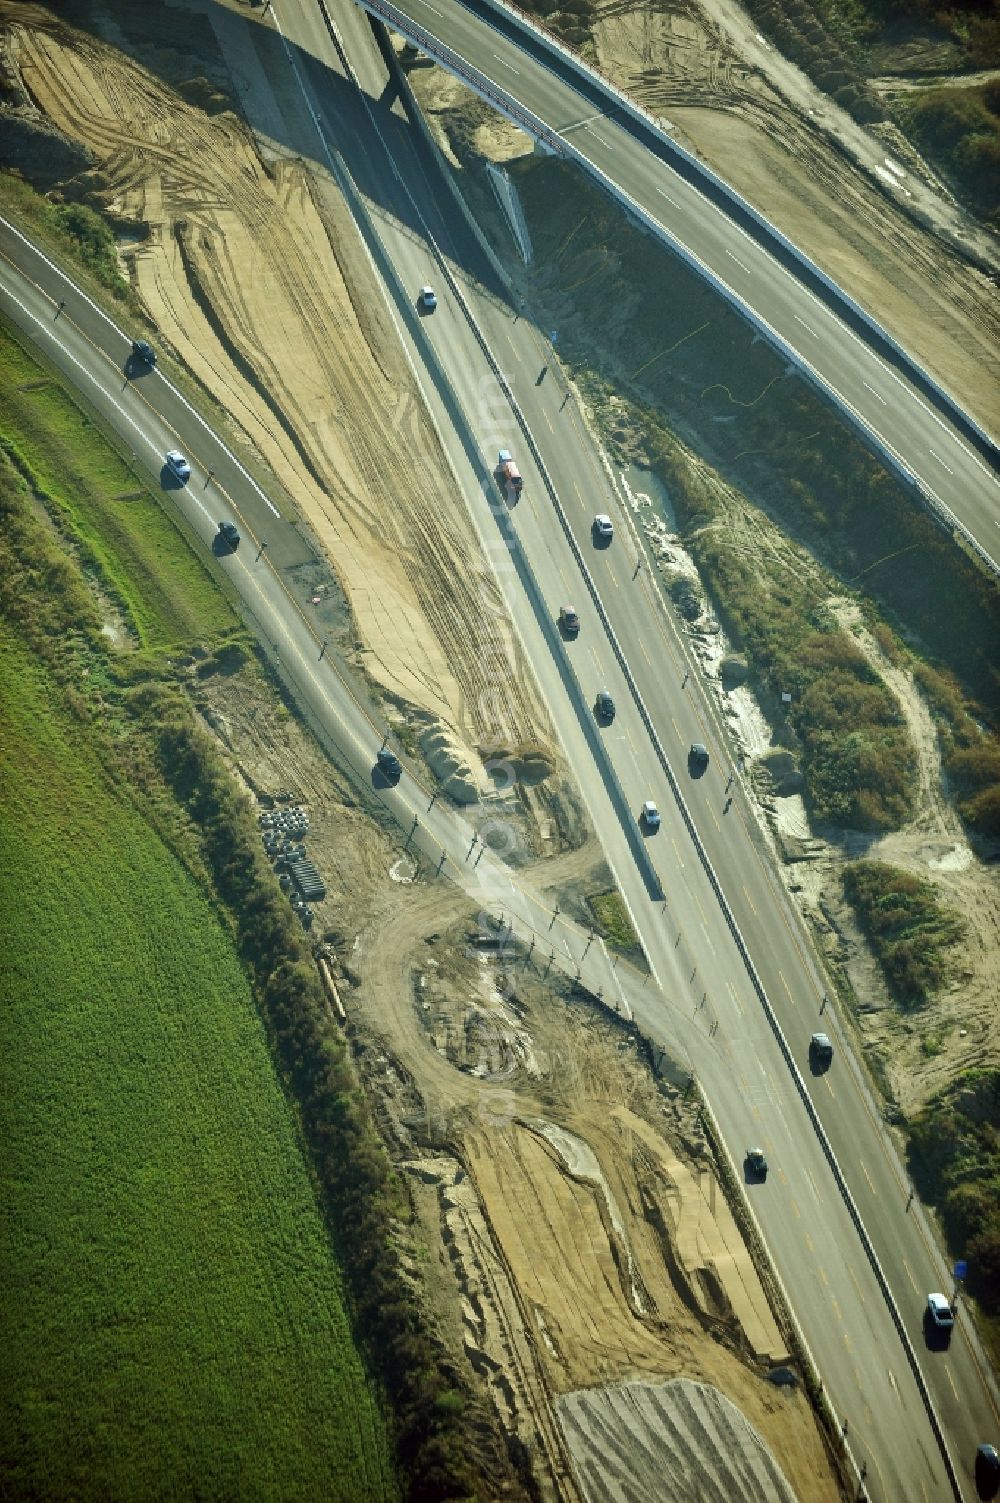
[(937, 1338), (381, 780)]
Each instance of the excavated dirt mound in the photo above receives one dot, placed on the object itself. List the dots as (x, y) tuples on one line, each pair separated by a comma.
[(687, 1439)]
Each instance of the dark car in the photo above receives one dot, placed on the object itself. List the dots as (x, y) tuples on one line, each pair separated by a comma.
[(143, 350), (229, 533), (820, 1051), (987, 1471), (755, 1163), (698, 756), (604, 706), (569, 620), (389, 765)]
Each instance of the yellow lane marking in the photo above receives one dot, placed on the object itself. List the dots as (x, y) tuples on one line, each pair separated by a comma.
[(909, 1275), (809, 1242), (714, 820), (749, 900), (857, 1286), (673, 722), (733, 993), (548, 422), (788, 989), (642, 649), (951, 1380), (867, 1176), (822, 1273)]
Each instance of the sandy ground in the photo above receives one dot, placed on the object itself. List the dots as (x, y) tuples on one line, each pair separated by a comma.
[(575, 1243), (255, 276)]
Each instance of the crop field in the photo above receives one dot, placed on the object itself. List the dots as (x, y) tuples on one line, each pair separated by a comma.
[(165, 593), (173, 1316)]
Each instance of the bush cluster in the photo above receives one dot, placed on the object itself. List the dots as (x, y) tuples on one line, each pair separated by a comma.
[(954, 1155), (959, 131), (906, 926), (971, 757), (571, 20), (91, 239), (803, 33), (857, 757)]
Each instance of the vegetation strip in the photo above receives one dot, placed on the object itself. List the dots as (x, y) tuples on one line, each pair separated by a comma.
[(905, 925)]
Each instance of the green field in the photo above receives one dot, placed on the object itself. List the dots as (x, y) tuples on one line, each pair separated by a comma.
[(173, 1316)]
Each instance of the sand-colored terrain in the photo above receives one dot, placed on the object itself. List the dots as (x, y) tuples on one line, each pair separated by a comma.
[(255, 276), (572, 1233)]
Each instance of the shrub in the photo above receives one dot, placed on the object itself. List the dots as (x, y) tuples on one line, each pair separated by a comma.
[(954, 1156), (908, 929)]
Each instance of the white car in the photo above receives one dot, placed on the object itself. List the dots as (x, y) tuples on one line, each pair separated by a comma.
[(603, 526), (650, 815), (178, 464), (428, 299)]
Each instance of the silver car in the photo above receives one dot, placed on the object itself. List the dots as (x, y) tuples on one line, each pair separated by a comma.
[(178, 464)]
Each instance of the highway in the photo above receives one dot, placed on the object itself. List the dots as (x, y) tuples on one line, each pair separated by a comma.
[(926, 446), (700, 1002)]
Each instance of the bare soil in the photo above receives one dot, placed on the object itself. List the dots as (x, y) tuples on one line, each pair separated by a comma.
[(255, 277)]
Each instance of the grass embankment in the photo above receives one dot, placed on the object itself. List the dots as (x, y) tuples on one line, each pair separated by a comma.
[(954, 1155), (909, 930), (125, 539), (154, 1170), (174, 1321), (612, 922), (682, 357)]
